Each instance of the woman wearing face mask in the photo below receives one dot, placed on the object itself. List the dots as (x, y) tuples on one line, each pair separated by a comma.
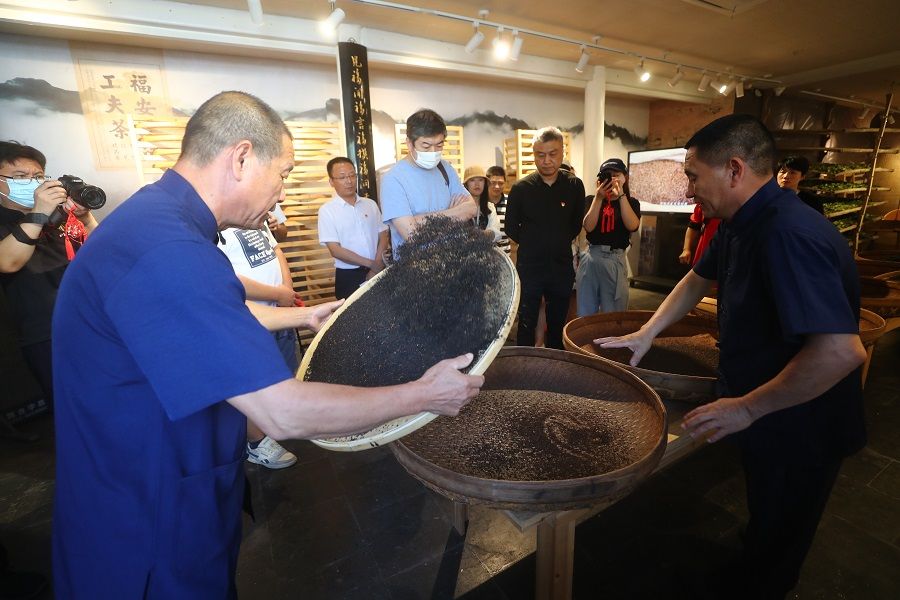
[(486, 220), (613, 215), (33, 254)]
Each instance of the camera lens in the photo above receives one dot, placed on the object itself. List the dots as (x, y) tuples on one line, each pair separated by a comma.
[(92, 197)]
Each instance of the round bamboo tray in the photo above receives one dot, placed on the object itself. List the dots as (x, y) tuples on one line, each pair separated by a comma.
[(397, 428), (881, 296), (424, 453), (579, 334), (871, 327), (872, 267)]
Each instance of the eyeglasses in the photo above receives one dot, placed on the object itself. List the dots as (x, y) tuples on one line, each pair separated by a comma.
[(26, 178), (349, 177)]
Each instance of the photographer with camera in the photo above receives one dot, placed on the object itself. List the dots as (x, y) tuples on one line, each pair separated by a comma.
[(41, 228), (612, 216)]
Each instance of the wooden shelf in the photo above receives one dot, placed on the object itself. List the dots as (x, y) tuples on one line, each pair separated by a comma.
[(848, 191), (847, 173), (841, 213)]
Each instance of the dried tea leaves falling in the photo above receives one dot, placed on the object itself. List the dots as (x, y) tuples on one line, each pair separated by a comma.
[(448, 293), (531, 435)]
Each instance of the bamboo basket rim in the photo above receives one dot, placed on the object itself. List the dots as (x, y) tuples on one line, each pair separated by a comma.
[(686, 320), (460, 485), (397, 428)]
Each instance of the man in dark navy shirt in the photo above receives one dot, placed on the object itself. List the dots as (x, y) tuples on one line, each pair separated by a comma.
[(790, 353), (543, 216)]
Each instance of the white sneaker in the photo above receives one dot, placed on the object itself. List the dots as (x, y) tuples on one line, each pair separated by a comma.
[(270, 454)]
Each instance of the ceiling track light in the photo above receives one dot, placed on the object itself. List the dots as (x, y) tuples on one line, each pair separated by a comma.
[(254, 7), (676, 78), (582, 60), (642, 73), (704, 82), (520, 32), (739, 89), (475, 40), (516, 46), (329, 25), (780, 90), (501, 46)]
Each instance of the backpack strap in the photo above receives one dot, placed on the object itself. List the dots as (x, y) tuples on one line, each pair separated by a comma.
[(443, 171)]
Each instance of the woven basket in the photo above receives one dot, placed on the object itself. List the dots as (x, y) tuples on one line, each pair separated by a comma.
[(423, 453), (881, 296), (392, 430), (579, 333)]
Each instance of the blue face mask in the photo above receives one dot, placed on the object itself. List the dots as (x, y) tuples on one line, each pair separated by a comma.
[(21, 191)]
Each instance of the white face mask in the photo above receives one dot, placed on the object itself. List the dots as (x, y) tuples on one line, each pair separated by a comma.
[(21, 191), (427, 160)]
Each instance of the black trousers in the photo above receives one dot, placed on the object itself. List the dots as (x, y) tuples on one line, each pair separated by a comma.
[(556, 289), (38, 358), (346, 281), (786, 502)]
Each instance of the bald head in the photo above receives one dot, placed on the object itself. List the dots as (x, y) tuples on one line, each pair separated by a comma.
[(226, 119)]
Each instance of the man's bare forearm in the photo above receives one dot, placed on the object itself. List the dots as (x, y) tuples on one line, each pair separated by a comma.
[(823, 361)]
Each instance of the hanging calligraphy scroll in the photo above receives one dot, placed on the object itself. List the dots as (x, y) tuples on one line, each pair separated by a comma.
[(113, 84), (354, 72)]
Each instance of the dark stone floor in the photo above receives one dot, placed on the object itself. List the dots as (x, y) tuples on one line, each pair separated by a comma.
[(356, 526)]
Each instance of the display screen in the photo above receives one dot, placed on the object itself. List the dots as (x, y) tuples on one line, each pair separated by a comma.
[(657, 179)]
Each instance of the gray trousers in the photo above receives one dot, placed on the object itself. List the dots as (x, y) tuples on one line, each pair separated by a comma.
[(602, 281)]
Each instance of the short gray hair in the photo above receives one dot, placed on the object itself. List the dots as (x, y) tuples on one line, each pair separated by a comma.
[(227, 118), (548, 134)]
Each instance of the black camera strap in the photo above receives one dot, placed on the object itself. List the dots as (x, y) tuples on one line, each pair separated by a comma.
[(19, 233)]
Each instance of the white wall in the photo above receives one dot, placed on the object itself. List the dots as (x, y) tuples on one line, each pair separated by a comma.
[(297, 90)]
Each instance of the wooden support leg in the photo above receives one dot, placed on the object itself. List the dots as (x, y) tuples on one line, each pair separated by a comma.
[(555, 557), (869, 351), (460, 517)]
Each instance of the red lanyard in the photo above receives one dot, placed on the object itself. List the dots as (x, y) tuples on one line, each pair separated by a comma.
[(74, 232), (607, 215)]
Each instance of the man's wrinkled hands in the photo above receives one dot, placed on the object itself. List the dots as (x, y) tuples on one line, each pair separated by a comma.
[(638, 342), (319, 314), (447, 389), (718, 419)]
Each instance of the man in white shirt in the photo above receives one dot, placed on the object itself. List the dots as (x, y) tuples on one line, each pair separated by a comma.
[(262, 268), (350, 227)]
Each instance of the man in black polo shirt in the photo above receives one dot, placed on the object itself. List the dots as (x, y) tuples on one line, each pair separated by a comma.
[(789, 384), (543, 216)]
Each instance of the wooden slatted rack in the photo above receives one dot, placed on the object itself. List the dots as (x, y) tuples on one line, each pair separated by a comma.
[(518, 156), (157, 144), (453, 146)]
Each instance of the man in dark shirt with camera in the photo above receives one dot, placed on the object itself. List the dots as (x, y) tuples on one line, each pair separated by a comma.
[(33, 252), (543, 216)]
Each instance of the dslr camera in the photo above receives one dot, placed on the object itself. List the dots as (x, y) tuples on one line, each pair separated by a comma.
[(88, 196)]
